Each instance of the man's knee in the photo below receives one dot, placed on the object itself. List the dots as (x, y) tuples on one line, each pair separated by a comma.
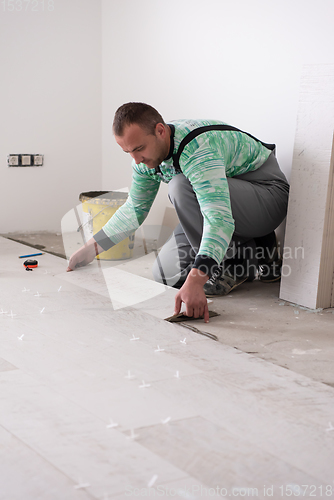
[(164, 275), (157, 274)]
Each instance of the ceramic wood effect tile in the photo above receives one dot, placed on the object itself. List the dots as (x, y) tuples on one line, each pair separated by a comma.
[(203, 450), (73, 440), (210, 412), (273, 426), (26, 474)]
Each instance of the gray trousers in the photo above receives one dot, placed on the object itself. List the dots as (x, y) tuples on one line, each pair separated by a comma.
[(259, 202)]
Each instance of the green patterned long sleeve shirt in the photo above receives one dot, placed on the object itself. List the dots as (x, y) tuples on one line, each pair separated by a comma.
[(206, 162)]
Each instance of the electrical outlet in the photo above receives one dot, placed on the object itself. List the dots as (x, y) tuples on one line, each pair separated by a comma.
[(38, 160), (13, 160)]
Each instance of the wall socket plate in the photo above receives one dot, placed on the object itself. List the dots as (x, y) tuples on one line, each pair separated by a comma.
[(38, 160), (25, 160), (13, 160)]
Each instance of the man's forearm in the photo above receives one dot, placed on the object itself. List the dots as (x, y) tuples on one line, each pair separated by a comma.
[(97, 246)]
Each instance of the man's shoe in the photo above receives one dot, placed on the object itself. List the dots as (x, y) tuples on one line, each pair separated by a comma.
[(221, 284), (269, 273), (270, 263)]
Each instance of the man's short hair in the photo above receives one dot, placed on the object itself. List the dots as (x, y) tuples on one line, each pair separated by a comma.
[(140, 113)]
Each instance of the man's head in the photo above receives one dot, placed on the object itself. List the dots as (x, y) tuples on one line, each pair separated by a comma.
[(141, 131)]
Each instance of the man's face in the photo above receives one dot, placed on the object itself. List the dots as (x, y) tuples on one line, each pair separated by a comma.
[(143, 147)]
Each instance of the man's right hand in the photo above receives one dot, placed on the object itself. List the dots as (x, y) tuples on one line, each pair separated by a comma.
[(84, 255)]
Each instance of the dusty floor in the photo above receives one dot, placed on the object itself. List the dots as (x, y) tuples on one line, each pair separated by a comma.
[(252, 318)]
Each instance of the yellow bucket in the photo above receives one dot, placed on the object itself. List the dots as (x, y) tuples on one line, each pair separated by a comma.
[(98, 207)]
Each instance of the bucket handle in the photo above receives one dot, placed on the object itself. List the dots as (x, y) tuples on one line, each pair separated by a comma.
[(83, 225)]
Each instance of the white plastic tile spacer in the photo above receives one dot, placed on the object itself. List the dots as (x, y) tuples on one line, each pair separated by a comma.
[(129, 376), (183, 341), (159, 350), (60, 288), (152, 481), (42, 310), (144, 385), (21, 338), (25, 290), (134, 337), (3, 312), (112, 425), (81, 486), (177, 375), (330, 428), (166, 420), (37, 294), (11, 314), (132, 435)]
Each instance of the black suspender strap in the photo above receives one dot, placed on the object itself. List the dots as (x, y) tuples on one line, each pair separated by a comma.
[(201, 130)]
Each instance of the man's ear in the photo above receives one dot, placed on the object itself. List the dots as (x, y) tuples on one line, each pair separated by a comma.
[(160, 130)]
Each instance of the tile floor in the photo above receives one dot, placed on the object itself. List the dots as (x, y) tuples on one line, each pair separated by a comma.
[(101, 398)]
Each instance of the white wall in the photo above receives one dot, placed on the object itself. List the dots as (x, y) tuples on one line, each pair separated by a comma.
[(50, 103), (239, 61)]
